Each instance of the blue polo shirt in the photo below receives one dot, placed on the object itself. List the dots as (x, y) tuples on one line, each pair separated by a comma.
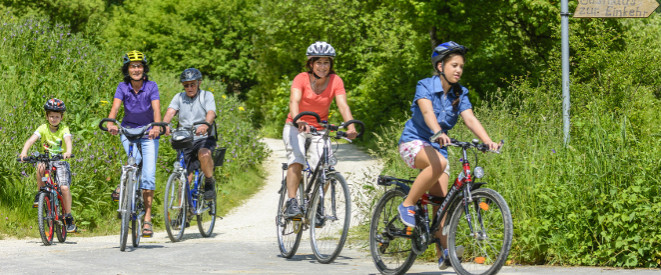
[(137, 107), (431, 88)]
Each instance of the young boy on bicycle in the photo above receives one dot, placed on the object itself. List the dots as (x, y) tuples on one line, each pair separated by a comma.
[(53, 134), (194, 105)]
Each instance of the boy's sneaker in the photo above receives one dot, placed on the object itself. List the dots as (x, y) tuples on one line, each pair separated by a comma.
[(209, 188), (35, 204), (444, 260), (407, 214), (293, 211), (71, 225)]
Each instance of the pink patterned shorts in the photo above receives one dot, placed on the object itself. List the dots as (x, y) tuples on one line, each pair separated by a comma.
[(409, 150)]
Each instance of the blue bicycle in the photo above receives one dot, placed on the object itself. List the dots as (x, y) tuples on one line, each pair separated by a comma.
[(184, 195)]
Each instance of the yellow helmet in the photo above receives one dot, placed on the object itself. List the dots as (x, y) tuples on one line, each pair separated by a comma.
[(134, 56)]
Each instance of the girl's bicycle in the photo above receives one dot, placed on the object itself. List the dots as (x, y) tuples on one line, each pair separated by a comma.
[(184, 199), (51, 210), (131, 205), (478, 222), (324, 198)]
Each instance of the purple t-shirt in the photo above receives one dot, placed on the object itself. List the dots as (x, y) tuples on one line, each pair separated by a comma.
[(137, 107)]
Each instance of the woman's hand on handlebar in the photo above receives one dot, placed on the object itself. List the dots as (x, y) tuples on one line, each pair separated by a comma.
[(113, 129), (493, 146), (66, 155), (443, 140)]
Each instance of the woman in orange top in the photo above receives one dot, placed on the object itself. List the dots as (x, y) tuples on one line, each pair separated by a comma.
[(311, 91)]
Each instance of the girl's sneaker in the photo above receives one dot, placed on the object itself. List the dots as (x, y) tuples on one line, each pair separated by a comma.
[(444, 260), (407, 214)]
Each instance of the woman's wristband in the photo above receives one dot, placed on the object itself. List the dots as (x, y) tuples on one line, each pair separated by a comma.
[(435, 136)]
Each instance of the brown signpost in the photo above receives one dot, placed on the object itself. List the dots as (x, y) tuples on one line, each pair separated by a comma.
[(615, 8)]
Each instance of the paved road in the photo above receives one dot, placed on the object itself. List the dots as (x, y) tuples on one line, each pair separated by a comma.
[(243, 242)]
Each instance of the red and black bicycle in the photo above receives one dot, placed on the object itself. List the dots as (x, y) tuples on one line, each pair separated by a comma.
[(51, 210)]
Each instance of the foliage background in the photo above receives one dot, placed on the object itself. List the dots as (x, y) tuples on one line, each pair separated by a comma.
[(592, 202)]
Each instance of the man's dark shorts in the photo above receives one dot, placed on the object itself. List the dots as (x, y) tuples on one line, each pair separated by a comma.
[(190, 154)]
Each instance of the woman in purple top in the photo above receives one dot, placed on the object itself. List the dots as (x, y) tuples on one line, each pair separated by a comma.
[(141, 107)]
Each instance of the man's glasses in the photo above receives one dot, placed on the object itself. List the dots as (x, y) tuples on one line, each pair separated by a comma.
[(190, 85), (135, 66)]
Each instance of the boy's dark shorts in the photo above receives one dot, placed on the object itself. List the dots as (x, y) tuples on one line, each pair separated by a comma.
[(190, 154)]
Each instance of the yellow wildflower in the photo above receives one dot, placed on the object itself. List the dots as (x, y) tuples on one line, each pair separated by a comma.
[(241, 108)]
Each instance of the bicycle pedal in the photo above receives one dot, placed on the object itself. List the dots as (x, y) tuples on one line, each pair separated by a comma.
[(296, 219), (409, 231)]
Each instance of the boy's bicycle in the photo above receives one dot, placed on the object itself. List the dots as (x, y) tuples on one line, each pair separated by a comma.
[(131, 206), (323, 195), (182, 200), (51, 207), (478, 222)]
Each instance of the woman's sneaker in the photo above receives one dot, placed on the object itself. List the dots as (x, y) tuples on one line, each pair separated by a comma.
[(407, 214)]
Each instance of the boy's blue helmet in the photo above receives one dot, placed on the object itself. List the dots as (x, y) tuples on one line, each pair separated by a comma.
[(443, 50)]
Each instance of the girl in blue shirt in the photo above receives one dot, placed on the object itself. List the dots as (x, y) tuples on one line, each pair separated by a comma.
[(438, 103)]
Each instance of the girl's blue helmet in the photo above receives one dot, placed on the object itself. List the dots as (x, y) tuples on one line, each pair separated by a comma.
[(443, 50)]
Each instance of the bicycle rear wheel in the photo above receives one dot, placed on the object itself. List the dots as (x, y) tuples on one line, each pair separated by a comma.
[(125, 210), (390, 246), (206, 211), (46, 218), (60, 224), (330, 218), (174, 207), (485, 233), (289, 230)]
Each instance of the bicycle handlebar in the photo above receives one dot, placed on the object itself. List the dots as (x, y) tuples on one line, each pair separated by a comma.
[(41, 157), (474, 144), (123, 130), (330, 126)]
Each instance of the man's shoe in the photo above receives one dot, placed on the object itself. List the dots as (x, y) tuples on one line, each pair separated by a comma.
[(71, 225), (407, 214), (321, 218), (209, 188), (293, 211)]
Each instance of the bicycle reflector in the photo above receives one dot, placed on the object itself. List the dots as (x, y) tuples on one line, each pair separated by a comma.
[(478, 172)]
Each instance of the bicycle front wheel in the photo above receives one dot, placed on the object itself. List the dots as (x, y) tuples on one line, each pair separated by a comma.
[(46, 218), (125, 210), (174, 207), (390, 246), (137, 217), (60, 224), (485, 232), (289, 230), (330, 218), (206, 211)]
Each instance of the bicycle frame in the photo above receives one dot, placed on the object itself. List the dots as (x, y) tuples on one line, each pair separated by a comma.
[(53, 188), (191, 194)]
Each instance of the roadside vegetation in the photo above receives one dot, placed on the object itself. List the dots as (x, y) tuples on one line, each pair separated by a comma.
[(593, 201)]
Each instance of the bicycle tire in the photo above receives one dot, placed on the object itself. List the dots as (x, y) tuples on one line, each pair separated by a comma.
[(206, 210), (391, 251), (486, 250), (174, 207), (137, 217), (46, 221), (125, 211), (289, 231), (330, 225), (60, 225)]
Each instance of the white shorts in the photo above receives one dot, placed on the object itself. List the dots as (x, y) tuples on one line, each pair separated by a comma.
[(295, 146)]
